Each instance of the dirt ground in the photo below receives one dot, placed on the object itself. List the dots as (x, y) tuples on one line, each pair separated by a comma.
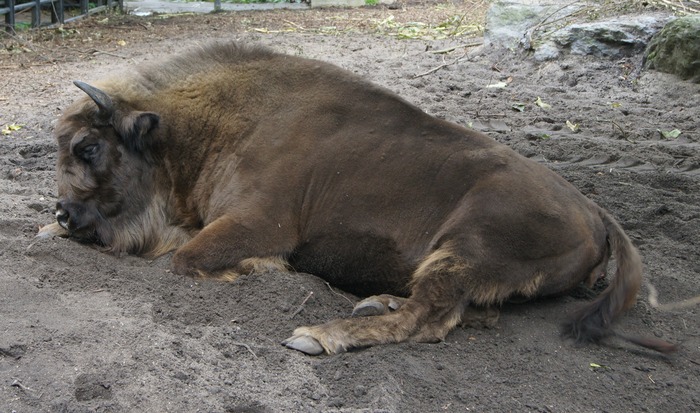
[(82, 331)]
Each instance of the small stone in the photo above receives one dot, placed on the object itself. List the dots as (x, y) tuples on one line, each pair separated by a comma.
[(38, 207), (335, 403), (359, 390)]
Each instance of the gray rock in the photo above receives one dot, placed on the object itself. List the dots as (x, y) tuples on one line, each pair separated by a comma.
[(526, 24), (617, 37), (547, 51), (676, 49)]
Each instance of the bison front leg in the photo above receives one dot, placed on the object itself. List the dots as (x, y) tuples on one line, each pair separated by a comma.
[(227, 247), (437, 304)]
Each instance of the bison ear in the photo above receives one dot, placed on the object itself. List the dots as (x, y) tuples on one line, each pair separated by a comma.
[(102, 100), (134, 126)]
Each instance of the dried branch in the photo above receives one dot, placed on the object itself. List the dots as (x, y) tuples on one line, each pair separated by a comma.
[(247, 347), (435, 69), (339, 294), (449, 49), (301, 306), (654, 300)]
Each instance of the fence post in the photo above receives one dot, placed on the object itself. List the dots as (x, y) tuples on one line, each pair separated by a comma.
[(10, 16), (57, 12), (36, 14)]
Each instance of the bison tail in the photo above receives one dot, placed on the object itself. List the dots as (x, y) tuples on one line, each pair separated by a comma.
[(593, 321)]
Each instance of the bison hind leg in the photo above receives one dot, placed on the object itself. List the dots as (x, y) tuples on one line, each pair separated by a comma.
[(439, 301), (466, 316), (480, 317)]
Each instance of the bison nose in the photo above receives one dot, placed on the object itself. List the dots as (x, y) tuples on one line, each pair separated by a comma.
[(62, 216)]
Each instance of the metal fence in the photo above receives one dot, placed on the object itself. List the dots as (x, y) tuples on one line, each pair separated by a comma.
[(55, 8)]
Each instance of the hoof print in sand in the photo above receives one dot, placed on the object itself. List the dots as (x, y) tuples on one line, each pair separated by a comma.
[(92, 386)]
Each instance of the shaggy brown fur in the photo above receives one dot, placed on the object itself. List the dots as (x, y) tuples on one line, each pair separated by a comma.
[(241, 159)]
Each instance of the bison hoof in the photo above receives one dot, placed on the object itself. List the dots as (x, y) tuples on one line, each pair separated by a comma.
[(305, 344), (377, 305)]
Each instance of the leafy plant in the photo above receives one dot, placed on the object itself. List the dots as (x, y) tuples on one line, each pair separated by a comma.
[(22, 26)]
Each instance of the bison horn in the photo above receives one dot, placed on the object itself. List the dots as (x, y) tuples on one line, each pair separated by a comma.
[(103, 101)]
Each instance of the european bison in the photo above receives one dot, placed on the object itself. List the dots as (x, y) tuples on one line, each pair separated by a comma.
[(241, 159)]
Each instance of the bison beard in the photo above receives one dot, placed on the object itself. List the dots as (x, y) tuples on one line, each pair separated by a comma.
[(241, 159)]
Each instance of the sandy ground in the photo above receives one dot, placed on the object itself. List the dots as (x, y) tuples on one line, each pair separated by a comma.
[(82, 331)]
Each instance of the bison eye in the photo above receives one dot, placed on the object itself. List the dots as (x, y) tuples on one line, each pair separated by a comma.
[(88, 152)]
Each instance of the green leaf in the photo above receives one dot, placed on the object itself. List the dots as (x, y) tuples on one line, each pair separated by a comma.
[(672, 134), (520, 107), (572, 126)]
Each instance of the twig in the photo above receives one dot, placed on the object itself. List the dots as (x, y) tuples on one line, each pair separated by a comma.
[(247, 347), (545, 22), (674, 6), (95, 51), (487, 115), (572, 14), (18, 384), (654, 300), (435, 69), (449, 49), (298, 26), (622, 131), (301, 306), (339, 294)]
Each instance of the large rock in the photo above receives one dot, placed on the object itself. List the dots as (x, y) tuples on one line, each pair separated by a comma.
[(616, 37), (548, 30), (676, 49)]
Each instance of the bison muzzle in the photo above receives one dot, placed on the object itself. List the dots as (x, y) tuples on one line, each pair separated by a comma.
[(242, 159)]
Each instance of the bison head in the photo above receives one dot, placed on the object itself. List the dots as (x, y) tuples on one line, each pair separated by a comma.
[(105, 169)]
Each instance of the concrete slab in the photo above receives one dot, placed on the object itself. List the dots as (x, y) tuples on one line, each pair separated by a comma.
[(148, 7)]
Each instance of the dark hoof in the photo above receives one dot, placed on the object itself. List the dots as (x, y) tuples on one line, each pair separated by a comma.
[(305, 344), (368, 308), (377, 305)]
